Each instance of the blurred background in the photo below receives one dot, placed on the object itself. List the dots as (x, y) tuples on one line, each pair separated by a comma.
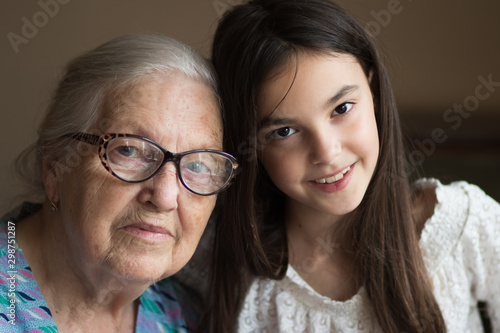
[(443, 58)]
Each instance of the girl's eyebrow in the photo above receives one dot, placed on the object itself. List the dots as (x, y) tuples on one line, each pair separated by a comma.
[(273, 121), (341, 93)]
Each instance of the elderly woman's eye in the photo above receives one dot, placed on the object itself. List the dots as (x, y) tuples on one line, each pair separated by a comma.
[(130, 157), (197, 167), (128, 151)]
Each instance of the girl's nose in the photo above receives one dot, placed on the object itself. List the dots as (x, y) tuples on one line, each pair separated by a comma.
[(325, 147)]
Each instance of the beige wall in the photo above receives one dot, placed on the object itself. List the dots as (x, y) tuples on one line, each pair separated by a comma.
[(437, 51)]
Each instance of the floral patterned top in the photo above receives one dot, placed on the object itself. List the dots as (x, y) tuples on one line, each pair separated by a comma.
[(166, 306)]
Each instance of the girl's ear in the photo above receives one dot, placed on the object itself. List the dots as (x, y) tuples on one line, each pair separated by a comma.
[(50, 179), (370, 76)]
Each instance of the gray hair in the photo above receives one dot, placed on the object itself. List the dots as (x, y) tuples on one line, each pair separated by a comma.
[(87, 83)]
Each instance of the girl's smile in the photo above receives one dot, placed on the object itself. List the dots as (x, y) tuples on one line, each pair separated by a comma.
[(334, 178), (334, 183), (320, 135)]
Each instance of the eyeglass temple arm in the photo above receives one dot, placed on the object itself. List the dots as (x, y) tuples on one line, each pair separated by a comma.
[(88, 138)]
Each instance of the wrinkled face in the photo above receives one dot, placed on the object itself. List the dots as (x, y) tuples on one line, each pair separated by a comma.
[(142, 231), (320, 142)]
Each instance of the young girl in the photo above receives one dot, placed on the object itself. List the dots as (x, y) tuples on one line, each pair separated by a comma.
[(322, 230)]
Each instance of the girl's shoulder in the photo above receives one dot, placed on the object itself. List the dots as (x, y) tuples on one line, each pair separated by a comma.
[(457, 201), (459, 212)]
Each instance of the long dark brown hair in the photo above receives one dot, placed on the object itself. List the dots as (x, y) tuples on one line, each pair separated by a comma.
[(252, 42)]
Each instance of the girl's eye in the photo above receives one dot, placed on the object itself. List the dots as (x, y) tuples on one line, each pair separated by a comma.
[(343, 108), (282, 133)]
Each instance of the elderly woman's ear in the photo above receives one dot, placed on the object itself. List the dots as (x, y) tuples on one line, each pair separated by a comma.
[(50, 179)]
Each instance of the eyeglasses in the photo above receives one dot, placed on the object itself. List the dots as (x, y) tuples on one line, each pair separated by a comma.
[(135, 159)]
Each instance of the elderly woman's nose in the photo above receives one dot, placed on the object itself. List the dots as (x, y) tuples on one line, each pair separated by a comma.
[(164, 188)]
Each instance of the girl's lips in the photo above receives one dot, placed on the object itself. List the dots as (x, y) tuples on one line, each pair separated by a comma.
[(148, 231), (336, 185), (333, 178)]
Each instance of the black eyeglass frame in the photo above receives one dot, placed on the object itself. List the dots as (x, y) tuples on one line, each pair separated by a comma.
[(103, 141)]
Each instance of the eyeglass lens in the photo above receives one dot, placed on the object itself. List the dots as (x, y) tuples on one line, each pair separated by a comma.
[(134, 159)]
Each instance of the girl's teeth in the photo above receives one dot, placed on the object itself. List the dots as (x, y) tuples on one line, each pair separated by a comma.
[(333, 178)]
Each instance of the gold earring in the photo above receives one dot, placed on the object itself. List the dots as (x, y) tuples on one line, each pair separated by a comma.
[(53, 206)]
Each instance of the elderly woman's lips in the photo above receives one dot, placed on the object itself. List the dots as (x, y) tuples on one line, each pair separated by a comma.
[(148, 231)]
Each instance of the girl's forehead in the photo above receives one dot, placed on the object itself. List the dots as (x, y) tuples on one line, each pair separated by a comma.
[(297, 61), (306, 70), (297, 58)]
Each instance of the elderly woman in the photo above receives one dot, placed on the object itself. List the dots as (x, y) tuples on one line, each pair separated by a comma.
[(129, 163)]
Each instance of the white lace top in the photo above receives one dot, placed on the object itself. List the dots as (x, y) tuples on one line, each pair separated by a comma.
[(461, 246)]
